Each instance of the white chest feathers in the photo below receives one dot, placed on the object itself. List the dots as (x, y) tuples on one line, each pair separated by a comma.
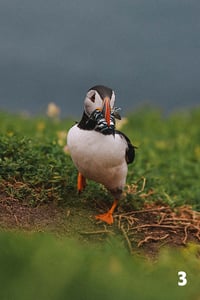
[(99, 157)]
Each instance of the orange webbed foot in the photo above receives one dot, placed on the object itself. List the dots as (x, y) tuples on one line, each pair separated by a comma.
[(108, 217)]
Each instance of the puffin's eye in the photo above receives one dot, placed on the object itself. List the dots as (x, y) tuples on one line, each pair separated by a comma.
[(92, 98)]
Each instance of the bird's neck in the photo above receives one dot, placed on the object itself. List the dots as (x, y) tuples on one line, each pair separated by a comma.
[(86, 123), (97, 122)]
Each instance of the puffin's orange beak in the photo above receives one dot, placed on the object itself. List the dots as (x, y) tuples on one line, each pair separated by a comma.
[(106, 110)]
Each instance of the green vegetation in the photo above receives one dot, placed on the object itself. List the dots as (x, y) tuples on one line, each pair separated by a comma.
[(35, 169), (168, 156), (40, 266), (33, 165)]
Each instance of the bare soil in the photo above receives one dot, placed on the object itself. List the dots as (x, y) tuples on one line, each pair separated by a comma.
[(142, 231)]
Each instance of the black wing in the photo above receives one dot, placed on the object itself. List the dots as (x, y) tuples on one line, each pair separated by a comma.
[(130, 151)]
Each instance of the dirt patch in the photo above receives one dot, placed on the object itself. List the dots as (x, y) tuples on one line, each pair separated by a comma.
[(62, 221), (143, 231), (15, 214)]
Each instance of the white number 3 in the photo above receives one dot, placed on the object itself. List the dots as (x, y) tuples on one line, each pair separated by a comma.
[(182, 278)]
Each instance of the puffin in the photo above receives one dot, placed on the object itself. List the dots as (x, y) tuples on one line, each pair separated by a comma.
[(99, 151)]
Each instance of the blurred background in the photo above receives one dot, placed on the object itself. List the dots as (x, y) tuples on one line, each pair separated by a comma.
[(54, 51)]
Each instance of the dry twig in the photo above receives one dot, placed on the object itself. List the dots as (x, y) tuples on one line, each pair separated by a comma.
[(152, 238), (159, 223)]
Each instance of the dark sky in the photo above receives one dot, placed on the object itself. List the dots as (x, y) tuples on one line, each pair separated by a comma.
[(146, 50)]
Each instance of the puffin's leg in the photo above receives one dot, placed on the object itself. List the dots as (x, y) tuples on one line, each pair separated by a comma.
[(81, 182), (107, 217)]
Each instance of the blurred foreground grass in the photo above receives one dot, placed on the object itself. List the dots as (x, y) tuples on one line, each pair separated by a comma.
[(42, 267)]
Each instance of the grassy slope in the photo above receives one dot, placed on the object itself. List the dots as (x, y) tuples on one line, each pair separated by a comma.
[(168, 156), (34, 168)]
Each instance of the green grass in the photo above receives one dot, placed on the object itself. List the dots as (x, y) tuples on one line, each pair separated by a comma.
[(41, 266), (168, 156), (31, 153)]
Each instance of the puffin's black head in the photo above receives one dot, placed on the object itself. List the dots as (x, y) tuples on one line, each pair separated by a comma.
[(100, 98)]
